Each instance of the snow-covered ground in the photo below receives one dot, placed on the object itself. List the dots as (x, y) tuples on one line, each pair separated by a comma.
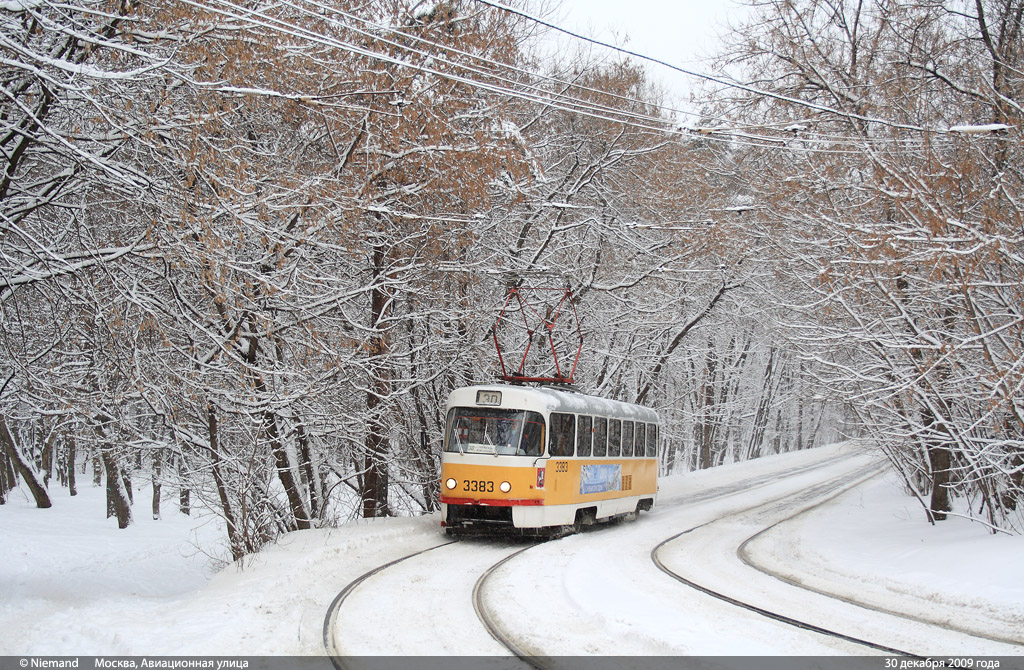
[(71, 583)]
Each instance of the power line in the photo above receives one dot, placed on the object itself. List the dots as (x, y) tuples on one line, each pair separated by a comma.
[(585, 108), (532, 93), (506, 66), (699, 75)]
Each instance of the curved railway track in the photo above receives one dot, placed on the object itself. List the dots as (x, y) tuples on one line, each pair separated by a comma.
[(528, 656), (802, 501), (537, 659), (338, 657), (330, 645), (823, 493), (745, 555)]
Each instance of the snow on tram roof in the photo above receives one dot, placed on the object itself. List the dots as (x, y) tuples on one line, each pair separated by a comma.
[(558, 400)]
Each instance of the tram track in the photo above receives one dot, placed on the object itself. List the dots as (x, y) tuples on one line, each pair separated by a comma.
[(746, 556), (338, 657), (804, 502), (823, 493), (537, 659), (505, 638), (530, 651), (489, 622), (527, 656), (330, 643)]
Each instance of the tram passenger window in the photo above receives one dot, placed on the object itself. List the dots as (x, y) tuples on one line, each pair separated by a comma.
[(532, 443), (614, 438), (627, 439), (563, 434), (641, 437), (600, 436), (652, 441), (584, 436)]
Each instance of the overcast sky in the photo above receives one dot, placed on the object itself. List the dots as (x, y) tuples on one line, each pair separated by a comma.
[(680, 32)]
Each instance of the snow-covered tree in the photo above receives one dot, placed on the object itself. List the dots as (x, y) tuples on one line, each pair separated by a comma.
[(893, 196)]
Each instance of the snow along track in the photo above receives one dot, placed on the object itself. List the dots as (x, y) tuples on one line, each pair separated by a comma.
[(441, 581), (599, 593), (492, 626), (865, 622), (925, 616), (533, 650), (433, 621), (330, 639), (829, 489), (537, 659), (342, 655)]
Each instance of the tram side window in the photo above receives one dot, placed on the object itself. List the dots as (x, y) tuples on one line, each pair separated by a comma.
[(584, 436), (563, 434), (614, 438), (652, 440), (600, 436), (532, 443), (641, 438), (627, 439)]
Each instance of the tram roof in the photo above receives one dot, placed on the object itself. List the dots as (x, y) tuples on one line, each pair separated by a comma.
[(554, 400)]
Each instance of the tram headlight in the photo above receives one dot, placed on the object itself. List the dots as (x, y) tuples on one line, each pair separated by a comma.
[(451, 483), (505, 487)]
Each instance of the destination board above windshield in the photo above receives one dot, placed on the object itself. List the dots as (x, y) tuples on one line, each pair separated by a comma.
[(490, 398)]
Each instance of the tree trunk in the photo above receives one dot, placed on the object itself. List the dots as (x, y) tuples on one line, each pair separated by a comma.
[(235, 538), (375, 473), (669, 460), (707, 404), (158, 458), (184, 494), (799, 409), (760, 423), (46, 458), (118, 486), (24, 467), (286, 468), (117, 494), (6, 475), (286, 472), (126, 480), (431, 485), (939, 462), (310, 473), (72, 455), (97, 469), (939, 459)]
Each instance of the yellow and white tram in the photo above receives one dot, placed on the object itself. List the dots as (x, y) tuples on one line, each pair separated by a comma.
[(542, 461)]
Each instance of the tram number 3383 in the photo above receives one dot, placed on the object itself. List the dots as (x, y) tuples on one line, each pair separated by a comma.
[(477, 486)]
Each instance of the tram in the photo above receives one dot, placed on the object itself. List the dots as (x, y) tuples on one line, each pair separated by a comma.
[(544, 461)]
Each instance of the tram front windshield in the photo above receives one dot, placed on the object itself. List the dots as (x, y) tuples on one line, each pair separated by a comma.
[(502, 432)]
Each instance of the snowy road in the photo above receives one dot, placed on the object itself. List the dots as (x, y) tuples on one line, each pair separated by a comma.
[(600, 593)]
